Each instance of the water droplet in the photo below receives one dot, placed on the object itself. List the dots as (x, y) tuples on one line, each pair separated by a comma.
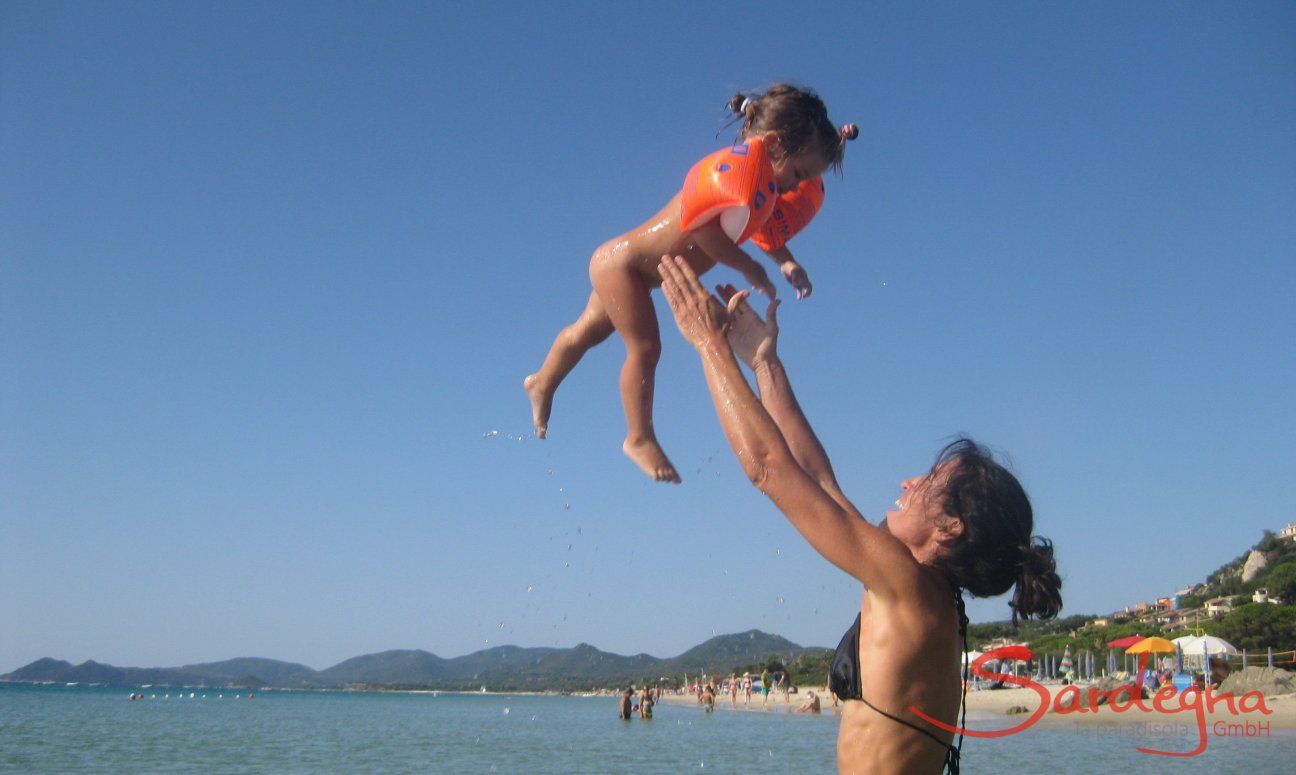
[(506, 711), (569, 546), (566, 507), (529, 587), (490, 433), (568, 565), (780, 599), (549, 472)]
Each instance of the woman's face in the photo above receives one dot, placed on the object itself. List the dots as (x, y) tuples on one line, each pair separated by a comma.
[(919, 513)]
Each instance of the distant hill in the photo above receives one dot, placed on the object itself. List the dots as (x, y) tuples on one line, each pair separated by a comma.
[(505, 668)]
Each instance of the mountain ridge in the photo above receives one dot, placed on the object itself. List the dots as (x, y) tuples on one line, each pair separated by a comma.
[(499, 667)]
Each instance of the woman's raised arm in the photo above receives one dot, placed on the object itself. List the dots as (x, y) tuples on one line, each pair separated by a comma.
[(864, 551)]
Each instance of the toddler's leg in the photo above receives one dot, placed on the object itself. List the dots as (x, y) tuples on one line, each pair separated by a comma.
[(628, 301), (591, 328)]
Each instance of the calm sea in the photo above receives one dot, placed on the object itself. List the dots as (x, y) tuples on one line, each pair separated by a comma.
[(80, 729)]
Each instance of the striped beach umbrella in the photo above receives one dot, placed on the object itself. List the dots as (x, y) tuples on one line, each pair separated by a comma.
[(1067, 667)]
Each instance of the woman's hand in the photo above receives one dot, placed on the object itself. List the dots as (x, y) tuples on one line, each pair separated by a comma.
[(700, 316), (753, 340), (797, 277)]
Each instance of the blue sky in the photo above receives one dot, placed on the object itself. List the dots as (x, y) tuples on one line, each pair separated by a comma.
[(271, 276)]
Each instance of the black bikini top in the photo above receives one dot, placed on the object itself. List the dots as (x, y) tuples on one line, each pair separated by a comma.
[(844, 681)]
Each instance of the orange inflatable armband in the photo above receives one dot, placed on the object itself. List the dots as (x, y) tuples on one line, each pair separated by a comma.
[(793, 211), (734, 184)]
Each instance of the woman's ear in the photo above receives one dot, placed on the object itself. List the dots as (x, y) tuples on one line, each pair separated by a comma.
[(951, 528)]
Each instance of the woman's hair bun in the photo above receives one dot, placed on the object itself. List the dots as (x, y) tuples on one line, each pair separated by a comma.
[(849, 132), (1039, 589)]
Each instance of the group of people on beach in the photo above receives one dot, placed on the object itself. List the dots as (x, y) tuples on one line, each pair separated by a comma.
[(648, 697), (963, 526)]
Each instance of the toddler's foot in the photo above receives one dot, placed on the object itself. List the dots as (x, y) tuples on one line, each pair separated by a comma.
[(541, 404), (648, 455)]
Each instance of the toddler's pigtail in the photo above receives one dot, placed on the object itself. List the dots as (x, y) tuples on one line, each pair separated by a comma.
[(848, 132), (743, 107)]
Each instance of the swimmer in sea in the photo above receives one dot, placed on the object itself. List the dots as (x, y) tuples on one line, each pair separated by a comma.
[(765, 188), (965, 525)]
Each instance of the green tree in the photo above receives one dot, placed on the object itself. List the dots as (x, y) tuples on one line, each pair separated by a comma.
[(1281, 582), (1261, 626)]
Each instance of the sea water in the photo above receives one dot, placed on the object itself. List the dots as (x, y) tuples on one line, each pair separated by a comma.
[(99, 729)]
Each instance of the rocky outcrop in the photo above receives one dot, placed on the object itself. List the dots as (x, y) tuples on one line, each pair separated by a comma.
[(1269, 681), (1255, 562)]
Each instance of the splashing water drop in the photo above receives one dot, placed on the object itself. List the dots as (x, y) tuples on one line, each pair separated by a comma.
[(566, 507), (778, 552), (506, 711), (780, 599), (568, 565), (529, 587), (490, 433), (569, 546)]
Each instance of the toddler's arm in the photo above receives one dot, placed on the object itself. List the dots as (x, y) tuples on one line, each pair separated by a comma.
[(793, 272), (712, 239)]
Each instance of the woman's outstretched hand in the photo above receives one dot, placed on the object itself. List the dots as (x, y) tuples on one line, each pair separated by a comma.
[(700, 316), (753, 340)]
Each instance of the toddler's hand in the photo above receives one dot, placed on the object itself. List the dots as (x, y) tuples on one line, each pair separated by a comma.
[(797, 278), (755, 275)]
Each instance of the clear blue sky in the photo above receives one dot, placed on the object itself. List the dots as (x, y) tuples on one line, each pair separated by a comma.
[(270, 274)]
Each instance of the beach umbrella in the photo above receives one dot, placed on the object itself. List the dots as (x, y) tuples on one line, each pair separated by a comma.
[(1111, 661), (1178, 657), (1215, 646), (1151, 646), (1067, 666), (1124, 643)]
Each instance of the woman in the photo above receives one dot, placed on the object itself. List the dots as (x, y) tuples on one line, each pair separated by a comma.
[(964, 525)]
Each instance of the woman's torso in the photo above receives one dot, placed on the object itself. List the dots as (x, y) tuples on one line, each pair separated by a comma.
[(909, 654)]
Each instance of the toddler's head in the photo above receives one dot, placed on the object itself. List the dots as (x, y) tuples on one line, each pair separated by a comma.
[(803, 143)]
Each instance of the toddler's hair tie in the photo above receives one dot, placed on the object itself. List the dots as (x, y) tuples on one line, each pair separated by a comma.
[(849, 132), (746, 103)]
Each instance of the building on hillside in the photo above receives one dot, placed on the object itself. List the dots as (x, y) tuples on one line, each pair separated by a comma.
[(1166, 603), (1099, 623), (1183, 619), (1219, 606), (1288, 532), (1262, 595)]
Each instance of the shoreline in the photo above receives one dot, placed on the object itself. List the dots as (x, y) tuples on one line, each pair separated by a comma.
[(988, 710)]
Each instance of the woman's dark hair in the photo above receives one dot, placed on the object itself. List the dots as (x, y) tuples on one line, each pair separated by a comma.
[(996, 549), (798, 116)]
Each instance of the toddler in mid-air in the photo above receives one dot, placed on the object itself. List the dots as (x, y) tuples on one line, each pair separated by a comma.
[(766, 189)]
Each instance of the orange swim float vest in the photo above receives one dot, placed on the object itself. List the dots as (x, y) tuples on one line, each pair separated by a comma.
[(734, 184), (793, 211)]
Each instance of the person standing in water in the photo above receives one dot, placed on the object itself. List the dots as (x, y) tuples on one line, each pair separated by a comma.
[(964, 525), (786, 144)]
